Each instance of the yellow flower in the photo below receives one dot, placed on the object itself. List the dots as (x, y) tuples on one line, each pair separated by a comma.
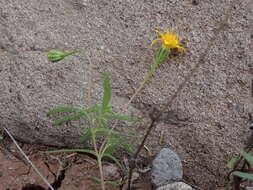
[(169, 40)]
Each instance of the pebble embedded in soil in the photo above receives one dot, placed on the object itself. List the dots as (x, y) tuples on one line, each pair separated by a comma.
[(176, 186), (111, 172), (166, 168)]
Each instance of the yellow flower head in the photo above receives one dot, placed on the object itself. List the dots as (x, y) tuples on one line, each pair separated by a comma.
[(169, 40)]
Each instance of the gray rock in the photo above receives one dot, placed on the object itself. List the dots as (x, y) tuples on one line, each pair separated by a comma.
[(176, 186), (166, 168), (249, 188), (111, 172)]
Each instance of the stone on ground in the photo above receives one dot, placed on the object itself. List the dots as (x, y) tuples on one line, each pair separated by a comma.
[(175, 186), (166, 168)]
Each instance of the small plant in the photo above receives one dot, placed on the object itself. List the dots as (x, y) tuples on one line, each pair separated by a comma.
[(169, 41), (97, 116), (241, 169)]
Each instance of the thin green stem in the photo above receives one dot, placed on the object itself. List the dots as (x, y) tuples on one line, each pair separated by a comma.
[(74, 52), (146, 79), (99, 160)]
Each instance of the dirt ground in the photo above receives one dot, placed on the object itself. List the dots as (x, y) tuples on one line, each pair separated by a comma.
[(62, 171), (206, 124)]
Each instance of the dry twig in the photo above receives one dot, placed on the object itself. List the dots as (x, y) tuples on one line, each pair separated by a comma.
[(28, 160)]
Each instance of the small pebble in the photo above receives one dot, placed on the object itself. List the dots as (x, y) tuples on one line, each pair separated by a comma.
[(176, 186), (195, 2)]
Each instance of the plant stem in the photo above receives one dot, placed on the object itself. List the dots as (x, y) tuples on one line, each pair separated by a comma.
[(168, 104), (28, 160), (89, 82), (147, 78), (100, 166), (99, 160), (73, 52)]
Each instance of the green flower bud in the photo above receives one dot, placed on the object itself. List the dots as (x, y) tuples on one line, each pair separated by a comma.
[(161, 54), (56, 55)]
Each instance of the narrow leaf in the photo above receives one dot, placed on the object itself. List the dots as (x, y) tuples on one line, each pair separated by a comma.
[(243, 175), (96, 179), (128, 147), (92, 109), (101, 122), (107, 92), (113, 159), (114, 133), (86, 136), (110, 149), (111, 145), (63, 109), (231, 163), (119, 117), (95, 185), (107, 131), (113, 183), (247, 157), (71, 108), (73, 150), (68, 118)]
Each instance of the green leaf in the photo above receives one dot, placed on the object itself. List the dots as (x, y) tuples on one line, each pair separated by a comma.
[(96, 179), (1, 137), (110, 149), (243, 175), (113, 159), (63, 109), (107, 93), (95, 185), (92, 109), (111, 145), (101, 122), (108, 108), (128, 147), (247, 157), (113, 133), (107, 131), (68, 118), (231, 163), (161, 54), (98, 132), (119, 117), (86, 136), (113, 183), (73, 116), (114, 141), (71, 108), (73, 150), (55, 55)]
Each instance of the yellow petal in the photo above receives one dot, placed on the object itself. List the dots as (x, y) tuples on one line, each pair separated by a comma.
[(155, 40), (160, 33), (180, 48)]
